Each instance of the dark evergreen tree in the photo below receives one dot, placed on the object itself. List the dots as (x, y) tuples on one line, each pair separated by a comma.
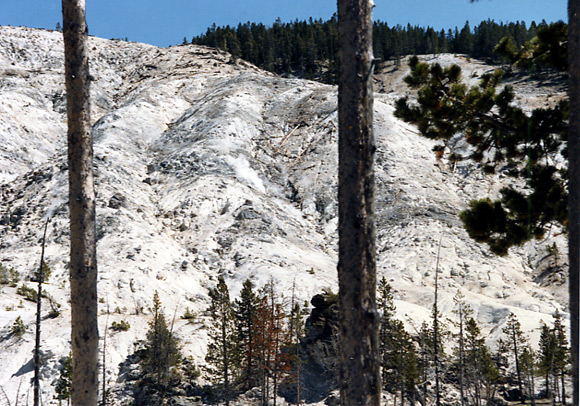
[(309, 48), (390, 336), (246, 313), (296, 330), (561, 353), (481, 372), (223, 355), (273, 358), (464, 312), (64, 382), (516, 341), (161, 352), (528, 366), (546, 365), (490, 121)]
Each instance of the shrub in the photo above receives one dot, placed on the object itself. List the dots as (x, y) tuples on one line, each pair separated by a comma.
[(28, 293), (8, 277), (46, 272), (189, 315), (123, 325), (64, 383), (18, 328)]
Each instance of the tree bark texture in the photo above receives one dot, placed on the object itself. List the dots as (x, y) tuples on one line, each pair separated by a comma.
[(83, 263), (574, 181), (358, 338)]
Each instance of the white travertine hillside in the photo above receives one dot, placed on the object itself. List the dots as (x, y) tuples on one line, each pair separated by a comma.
[(206, 167)]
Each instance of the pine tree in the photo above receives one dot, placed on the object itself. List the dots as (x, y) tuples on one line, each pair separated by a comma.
[(246, 313), (516, 341), (528, 365), (411, 371), (64, 382), (561, 353), (463, 311), (391, 340), (397, 350), (398, 362), (547, 347), (296, 330), (490, 121), (272, 341), (481, 372), (223, 355), (425, 356), (161, 352)]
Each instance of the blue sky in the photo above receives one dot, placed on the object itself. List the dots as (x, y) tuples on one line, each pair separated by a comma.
[(166, 22)]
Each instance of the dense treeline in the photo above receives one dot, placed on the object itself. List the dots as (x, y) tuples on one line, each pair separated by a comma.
[(260, 341), (308, 48)]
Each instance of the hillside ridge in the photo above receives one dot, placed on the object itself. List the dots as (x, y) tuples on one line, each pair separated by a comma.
[(207, 167)]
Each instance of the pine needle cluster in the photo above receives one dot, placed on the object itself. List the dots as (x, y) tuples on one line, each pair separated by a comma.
[(527, 146)]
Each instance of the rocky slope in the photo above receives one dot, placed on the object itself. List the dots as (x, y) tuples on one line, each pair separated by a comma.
[(207, 167)]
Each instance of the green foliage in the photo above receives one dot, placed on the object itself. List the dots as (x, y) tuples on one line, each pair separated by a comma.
[(161, 353), (18, 328), (562, 349), (480, 369), (385, 303), (553, 358), (547, 348), (309, 48), (63, 385), (502, 136), (400, 366), (9, 276), (516, 341), (29, 293), (189, 315), (123, 325), (46, 273), (223, 351), (246, 313), (548, 48), (190, 370)]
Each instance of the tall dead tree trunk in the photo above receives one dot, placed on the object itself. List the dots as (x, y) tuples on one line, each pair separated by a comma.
[(36, 379), (83, 261), (436, 330), (574, 184), (360, 382)]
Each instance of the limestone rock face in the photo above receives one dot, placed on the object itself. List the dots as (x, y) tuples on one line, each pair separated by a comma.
[(232, 171)]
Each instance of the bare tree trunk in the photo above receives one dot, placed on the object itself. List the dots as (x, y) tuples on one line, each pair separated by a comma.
[(360, 382), (83, 261), (104, 361), (436, 329), (36, 400), (461, 366), (574, 184), (518, 367)]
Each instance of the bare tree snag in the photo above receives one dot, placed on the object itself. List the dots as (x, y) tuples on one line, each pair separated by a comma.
[(574, 180), (83, 261), (360, 382), (36, 379)]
